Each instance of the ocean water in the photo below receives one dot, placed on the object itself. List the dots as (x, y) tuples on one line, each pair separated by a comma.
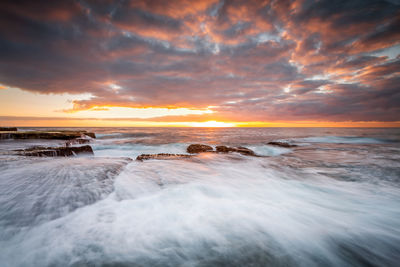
[(334, 200)]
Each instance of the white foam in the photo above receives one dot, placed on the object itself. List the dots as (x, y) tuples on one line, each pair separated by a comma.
[(268, 150), (211, 210), (341, 140), (133, 150)]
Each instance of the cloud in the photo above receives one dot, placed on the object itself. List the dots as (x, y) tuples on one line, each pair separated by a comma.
[(250, 60)]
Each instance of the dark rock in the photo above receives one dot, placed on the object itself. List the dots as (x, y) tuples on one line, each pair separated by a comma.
[(162, 156), (80, 141), (245, 151), (7, 129), (198, 148), (61, 135), (39, 151), (241, 150), (281, 144), (92, 135), (224, 149)]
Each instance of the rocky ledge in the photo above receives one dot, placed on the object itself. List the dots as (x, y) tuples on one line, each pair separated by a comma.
[(60, 135), (79, 141), (240, 149), (281, 144), (6, 129), (162, 156), (198, 148), (39, 151)]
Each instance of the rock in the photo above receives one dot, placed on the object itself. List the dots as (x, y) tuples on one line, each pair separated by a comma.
[(7, 129), (281, 144), (224, 149), (241, 150), (61, 135), (245, 151), (80, 141), (92, 135), (198, 148), (39, 151), (162, 156)]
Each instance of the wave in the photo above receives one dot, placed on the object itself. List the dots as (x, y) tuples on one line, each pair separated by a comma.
[(126, 135), (210, 211), (342, 140), (133, 150), (37, 190), (308, 206), (268, 150)]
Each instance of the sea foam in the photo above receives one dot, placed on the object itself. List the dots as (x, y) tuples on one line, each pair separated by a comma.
[(219, 210)]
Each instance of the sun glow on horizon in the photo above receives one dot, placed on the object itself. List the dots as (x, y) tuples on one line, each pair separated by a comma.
[(211, 124)]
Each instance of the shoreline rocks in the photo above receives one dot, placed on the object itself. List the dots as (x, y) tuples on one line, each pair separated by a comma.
[(162, 156), (281, 144), (39, 151), (198, 148), (60, 135), (240, 149), (71, 137), (80, 141), (7, 129)]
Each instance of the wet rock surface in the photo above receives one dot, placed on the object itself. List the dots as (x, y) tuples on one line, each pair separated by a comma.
[(80, 141), (60, 135), (281, 144), (245, 151), (241, 150), (39, 151), (2, 129), (198, 148), (224, 149), (162, 156)]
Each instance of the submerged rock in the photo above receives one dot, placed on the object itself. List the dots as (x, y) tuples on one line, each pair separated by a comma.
[(281, 144), (39, 151), (241, 150), (61, 135), (162, 156), (198, 148), (6, 129)]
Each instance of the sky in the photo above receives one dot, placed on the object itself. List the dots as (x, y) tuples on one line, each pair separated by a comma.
[(200, 63)]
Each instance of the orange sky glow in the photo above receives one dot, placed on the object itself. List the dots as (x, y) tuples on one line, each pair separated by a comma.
[(203, 63)]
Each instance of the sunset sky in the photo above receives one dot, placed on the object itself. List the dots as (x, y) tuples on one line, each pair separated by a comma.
[(200, 63)]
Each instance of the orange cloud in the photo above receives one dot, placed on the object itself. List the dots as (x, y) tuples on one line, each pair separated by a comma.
[(255, 61)]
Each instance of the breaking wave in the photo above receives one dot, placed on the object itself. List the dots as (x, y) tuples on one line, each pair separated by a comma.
[(311, 205), (205, 211)]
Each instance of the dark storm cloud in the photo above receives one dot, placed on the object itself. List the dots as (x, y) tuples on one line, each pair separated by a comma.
[(250, 60)]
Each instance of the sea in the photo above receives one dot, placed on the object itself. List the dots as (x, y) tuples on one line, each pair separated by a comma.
[(333, 200)]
